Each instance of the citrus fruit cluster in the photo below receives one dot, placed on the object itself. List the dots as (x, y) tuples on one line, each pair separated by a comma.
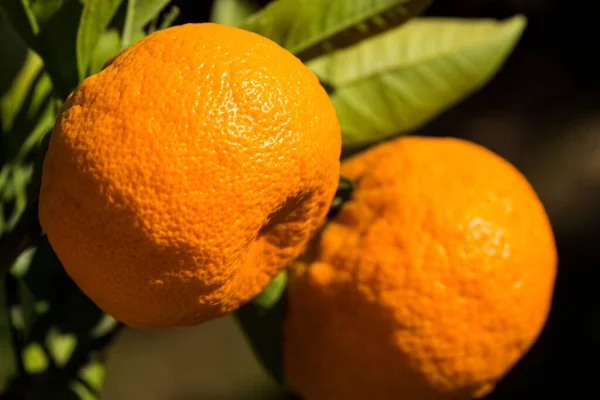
[(203, 159)]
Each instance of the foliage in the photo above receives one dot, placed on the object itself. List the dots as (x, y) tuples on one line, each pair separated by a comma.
[(387, 74)]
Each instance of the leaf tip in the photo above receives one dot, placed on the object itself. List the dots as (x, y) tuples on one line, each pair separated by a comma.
[(516, 24)]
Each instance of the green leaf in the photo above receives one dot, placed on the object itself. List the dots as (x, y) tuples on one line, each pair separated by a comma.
[(138, 14), (26, 115), (53, 29), (95, 17), (61, 346), (272, 293), (18, 69), (93, 373), (63, 32), (232, 12), (82, 391), (169, 18), (105, 325), (20, 15), (311, 28), (35, 359), (262, 322), (127, 35), (395, 83), (108, 45), (145, 12), (24, 88), (8, 361)]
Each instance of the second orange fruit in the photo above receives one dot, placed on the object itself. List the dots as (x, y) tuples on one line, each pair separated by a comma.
[(185, 175), (432, 281)]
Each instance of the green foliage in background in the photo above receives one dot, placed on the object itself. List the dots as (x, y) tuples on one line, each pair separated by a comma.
[(387, 72)]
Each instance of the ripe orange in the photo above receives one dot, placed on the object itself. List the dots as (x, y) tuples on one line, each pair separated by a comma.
[(433, 280), (186, 174)]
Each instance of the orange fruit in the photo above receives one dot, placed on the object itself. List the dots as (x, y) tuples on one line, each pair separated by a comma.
[(185, 175), (431, 282)]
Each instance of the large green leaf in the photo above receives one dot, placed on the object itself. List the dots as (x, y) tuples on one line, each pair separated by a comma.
[(24, 87), (232, 12), (53, 25), (136, 15), (20, 15), (396, 82), (311, 28), (262, 321), (26, 115), (63, 32), (145, 12), (95, 17), (108, 45)]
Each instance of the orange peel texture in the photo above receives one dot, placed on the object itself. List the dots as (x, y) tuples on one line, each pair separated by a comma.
[(186, 174), (432, 281)]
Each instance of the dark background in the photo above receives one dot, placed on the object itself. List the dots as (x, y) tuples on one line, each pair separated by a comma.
[(542, 112)]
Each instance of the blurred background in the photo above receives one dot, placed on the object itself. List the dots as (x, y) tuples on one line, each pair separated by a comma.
[(541, 112)]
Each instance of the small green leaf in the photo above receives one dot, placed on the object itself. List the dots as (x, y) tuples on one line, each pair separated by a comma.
[(272, 293), (8, 361), (105, 325), (311, 28), (93, 373), (232, 12), (82, 391), (61, 346), (35, 359), (95, 17), (395, 83), (262, 320), (21, 264)]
